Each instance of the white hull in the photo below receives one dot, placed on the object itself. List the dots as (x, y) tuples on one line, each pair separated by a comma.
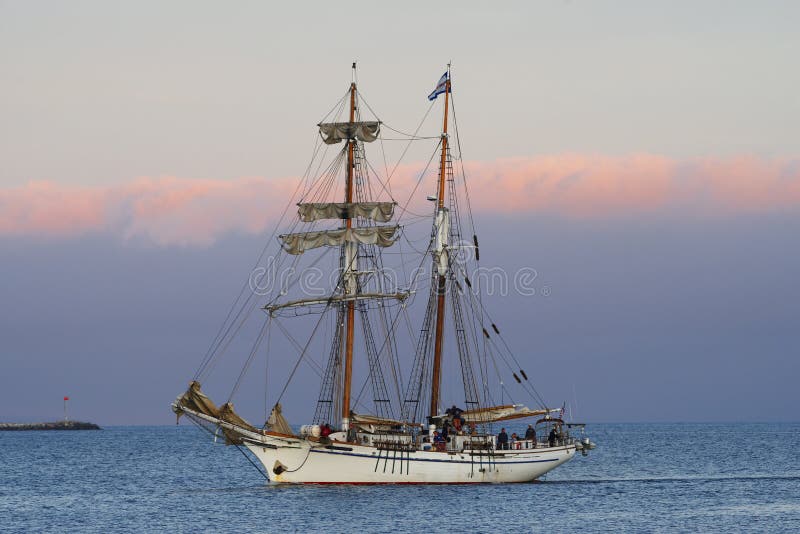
[(345, 463), (298, 460)]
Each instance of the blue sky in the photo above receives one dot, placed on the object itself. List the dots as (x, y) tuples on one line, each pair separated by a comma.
[(642, 157)]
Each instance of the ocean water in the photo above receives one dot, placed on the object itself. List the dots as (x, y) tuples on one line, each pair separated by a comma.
[(642, 477)]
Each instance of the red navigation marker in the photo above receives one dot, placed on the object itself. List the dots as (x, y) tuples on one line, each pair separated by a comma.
[(66, 398)]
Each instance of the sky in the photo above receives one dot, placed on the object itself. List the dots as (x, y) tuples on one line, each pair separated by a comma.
[(642, 158)]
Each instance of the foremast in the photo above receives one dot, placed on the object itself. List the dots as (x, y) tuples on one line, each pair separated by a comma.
[(440, 259), (350, 255)]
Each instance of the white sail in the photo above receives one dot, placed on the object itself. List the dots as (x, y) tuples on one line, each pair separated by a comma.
[(297, 243), (376, 211), (335, 132)]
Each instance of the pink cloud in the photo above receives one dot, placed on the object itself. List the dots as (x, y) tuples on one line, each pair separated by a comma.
[(47, 208), (174, 210), (169, 210), (577, 185), (164, 210), (574, 185)]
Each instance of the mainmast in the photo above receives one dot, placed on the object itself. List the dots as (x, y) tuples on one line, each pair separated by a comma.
[(349, 276), (442, 226)]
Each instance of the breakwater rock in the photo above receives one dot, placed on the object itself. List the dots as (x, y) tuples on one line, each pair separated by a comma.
[(59, 425)]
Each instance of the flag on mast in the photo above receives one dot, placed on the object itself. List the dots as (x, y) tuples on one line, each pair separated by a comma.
[(441, 87)]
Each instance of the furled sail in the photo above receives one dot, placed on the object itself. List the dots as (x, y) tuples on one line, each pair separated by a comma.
[(194, 400), (373, 423), (297, 243), (335, 132), (400, 296), (501, 413), (376, 211), (277, 422)]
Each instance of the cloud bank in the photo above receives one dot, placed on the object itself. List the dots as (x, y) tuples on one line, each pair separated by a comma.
[(165, 210), (181, 211)]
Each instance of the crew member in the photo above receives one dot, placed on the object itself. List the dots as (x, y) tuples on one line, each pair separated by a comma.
[(325, 430), (502, 439), (530, 435)]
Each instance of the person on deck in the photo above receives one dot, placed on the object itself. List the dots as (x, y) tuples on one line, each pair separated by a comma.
[(455, 414), (552, 437), (514, 440), (457, 423), (438, 441), (530, 435), (502, 439), (325, 430)]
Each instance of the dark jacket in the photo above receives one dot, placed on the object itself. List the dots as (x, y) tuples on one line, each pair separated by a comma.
[(530, 433)]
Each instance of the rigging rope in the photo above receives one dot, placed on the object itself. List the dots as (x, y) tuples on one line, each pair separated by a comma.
[(302, 354), (247, 363), (336, 106), (263, 474), (223, 331), (408, 145), (530, 388), (316, 367), (414, 136), (404, 208), (198, 425)]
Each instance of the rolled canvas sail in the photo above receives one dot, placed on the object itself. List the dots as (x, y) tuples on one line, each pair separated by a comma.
[(400, 296), (197, 401), (297, 243), (277, 422), (335, 132), (376, 211), (500, 413)]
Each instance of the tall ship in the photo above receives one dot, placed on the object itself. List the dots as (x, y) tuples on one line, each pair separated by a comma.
[(414, 374)]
